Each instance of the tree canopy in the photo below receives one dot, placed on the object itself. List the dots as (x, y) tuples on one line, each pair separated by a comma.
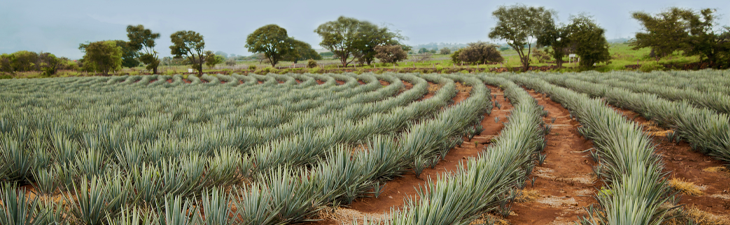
[(211, 59), (390, 53), (102, 56), (189, 44), (693, 33), (479, 53), (129, 54), (555, 36), (272, 41), (347, 37), (520, 26), (302, 51), (141, 39), (589, 40)]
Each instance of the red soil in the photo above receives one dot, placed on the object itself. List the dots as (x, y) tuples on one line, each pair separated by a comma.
[(169, 81), (564, 184), (187, 81), (240, 82), (681, 162), (320, 82), (339, 82), (398, 190)]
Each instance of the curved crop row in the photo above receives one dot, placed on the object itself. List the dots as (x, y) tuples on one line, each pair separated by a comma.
[(706, 130), (636, 188)]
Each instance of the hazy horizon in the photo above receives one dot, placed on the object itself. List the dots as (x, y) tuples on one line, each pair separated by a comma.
[(59, 27)]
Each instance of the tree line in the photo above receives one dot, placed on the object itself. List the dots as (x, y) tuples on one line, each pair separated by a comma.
[(524, 29)]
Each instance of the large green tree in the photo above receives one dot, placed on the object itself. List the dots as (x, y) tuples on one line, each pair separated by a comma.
[(129, 54), (141, 39), (102, 56), (372, 36), (302, 51), (347, 37), (692, 32), (555, 36), (190, 45), (589, 40), (520, 26), (272, 41)]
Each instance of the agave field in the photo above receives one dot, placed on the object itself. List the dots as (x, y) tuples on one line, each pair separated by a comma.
[(283, 149)]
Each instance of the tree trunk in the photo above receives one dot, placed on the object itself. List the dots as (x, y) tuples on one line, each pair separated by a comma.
[(154, 70)]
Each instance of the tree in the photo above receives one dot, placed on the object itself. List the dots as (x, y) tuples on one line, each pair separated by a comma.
[(211, 59), (555, 37), (189, 44), (589, 40), (455, 56), (422, 50), (129, 54), (302, 51), (390, 53), (371, 36), (348, 36), (694, 33), (48, 63), (141, 39), (480, 53), (271, 40), (520, 25), (103, 56), (445, 51)]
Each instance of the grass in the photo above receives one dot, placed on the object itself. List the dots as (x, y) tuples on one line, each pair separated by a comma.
[(685, 187), (694, 215), (527, 196), (715, 169)]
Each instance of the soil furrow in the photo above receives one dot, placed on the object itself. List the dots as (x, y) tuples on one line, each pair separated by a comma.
[(565, 182), (398, 190)]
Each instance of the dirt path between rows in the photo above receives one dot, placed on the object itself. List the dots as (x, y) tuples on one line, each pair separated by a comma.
[(398, 190), (706, 174), (565, 183)]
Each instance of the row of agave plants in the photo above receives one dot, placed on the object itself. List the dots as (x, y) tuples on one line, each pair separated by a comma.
[(190, 176), (30, 142), (484, 183), (705, 129), (704, 98), (635, 188)]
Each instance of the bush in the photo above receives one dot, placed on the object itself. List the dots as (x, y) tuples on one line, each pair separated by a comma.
[(5, 76), (314, 70), (455, 56), (480, 53), (251, 67), (651, 67), (390, 53), (439, 68), (311, 63), (445, 51)]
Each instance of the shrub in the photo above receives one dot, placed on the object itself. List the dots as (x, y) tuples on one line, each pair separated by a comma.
[(311, 63), (480, 52), (390, 53), (445, 51), (251, 67), (314, 70), (651, 67), (455, 56)]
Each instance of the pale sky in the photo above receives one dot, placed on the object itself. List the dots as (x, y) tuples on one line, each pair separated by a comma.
[(59, 26)]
